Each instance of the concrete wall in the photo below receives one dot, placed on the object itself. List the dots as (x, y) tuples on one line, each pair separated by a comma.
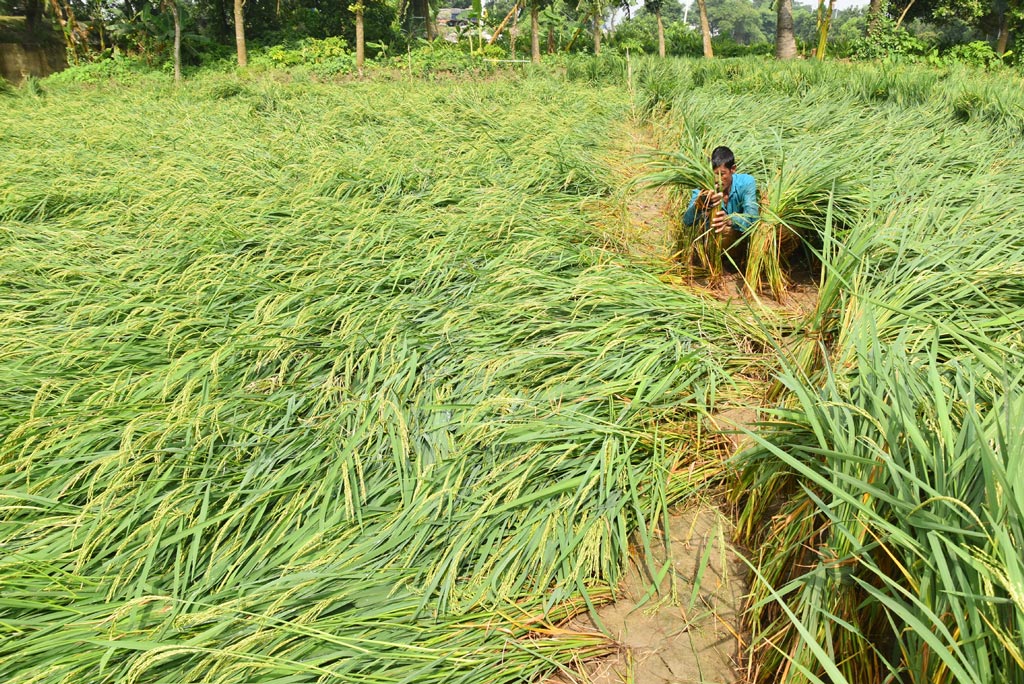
[(18, 61)]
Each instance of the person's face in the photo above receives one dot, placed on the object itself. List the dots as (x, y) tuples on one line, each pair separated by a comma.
[(723, 177)]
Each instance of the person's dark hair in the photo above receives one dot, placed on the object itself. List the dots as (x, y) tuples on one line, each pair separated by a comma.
[(722, 156)]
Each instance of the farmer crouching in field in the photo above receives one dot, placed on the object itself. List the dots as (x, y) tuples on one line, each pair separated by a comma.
[(731, 208)]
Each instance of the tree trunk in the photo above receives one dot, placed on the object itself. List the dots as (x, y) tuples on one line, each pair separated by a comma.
[(535, 33), (597, 34), (785, 40), (551, 41), (513, 34), (661, 35), (431, 27), (903, 14), (874, 14), (360, 40), (173, 5), (243, 57), (705, 28), (33, 13), (1004, 35)]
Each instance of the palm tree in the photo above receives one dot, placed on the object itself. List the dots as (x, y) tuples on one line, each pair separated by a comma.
[(172, 5), (785, 40), (535, 31)]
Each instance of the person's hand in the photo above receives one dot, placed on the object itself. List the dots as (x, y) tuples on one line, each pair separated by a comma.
[(710, 198), (721, 223)]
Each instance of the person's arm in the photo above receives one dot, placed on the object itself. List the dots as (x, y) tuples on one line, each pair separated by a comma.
[(749, 211), (691, 211)]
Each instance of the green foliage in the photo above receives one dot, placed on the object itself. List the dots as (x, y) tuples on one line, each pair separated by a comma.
[(740, 20), (326, 57), (149, 34), (290, 22), (442, 57), (680, 39), (977, 53), (120, 69), (888, 41)]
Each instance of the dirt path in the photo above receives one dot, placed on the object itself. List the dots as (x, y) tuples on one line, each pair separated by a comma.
[(688, 631), (687, 627)]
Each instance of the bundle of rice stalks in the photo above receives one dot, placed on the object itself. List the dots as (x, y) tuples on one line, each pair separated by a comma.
[(682, 172), (797, 198), (801, 200)]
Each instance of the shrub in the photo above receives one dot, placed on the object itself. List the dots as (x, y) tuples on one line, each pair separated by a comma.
[(325, 57), (888, 41), (126, 70), (977, 53)]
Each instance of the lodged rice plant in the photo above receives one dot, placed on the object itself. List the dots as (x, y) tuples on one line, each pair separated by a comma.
[(882, 497), (960, 93), (893, 479), (320, 384)]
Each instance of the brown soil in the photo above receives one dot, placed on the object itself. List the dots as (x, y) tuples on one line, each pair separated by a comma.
[(687, 632)]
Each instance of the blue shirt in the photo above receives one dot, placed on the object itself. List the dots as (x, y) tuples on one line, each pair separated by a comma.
[(741, 207)]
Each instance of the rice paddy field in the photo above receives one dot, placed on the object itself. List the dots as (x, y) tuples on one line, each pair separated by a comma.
[(357, 382)]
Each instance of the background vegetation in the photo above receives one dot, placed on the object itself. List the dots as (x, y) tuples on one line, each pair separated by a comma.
[(292, 32)]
